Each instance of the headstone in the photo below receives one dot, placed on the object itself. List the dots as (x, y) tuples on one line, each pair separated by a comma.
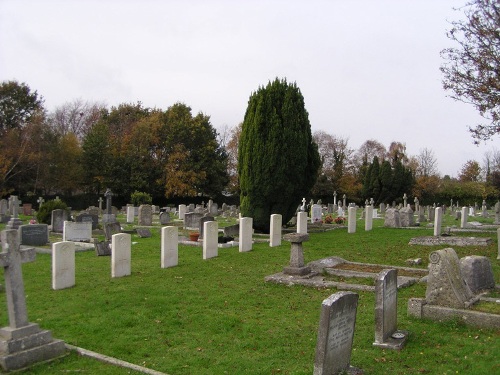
[(164, 218), (27, 209), (445, 284), (316, 213), (330, 208), (130, 214), (421, 215), (498, 241), (432, 212), (340, 211), (192, 220), (386, 311), (34, 234), (58, 218), (88, 218), (77, 232), (344, 200), (110, 229), (478, 273), (497, 213), (145, 215), (109, 216), (484, 212), (335, 335), (406, 217), (245, 235), (4, 207), (23, 343), (302, 222), (231, 230), (296, 266), (382, 208), (63, 265), (275, 230), (351, 220), (102, 248), (438, 219), (182, 211), (143, 232), (121, 246), (169, 246), (369, 218), (210, 240), (463, 220), (392, 218), (213, 209), (203, 220)]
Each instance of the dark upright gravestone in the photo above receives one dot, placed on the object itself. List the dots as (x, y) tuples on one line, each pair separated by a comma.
[(110, 229), (88, 218), (58, 218), (203, 220), (34, 234)]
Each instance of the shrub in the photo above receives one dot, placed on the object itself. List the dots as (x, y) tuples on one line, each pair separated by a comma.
[(138, 198), (44, 214)]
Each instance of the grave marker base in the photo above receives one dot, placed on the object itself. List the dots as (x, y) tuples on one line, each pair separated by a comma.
[(393, 343), (301, 271), (22, 347)]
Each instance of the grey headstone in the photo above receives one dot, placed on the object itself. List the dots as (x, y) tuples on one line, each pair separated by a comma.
[(164, 218), (203, 220), (231, 230), (192, 220), (145, 216), (110, 229), (143, 232), (392, 218), (34, 234), (406, 217), (102, 248), (59, 216), (88, 218), (478, 273), (335, 334)]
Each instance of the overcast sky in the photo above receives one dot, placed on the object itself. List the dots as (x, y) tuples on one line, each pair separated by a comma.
[(368, 69)]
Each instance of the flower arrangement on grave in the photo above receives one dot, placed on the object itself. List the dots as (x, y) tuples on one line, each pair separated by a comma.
[(328, 219), (339, 220)]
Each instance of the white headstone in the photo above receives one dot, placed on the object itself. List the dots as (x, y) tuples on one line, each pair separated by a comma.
[(63, 265), (369, 218), (351, 220), (77, 231), (130, 214), (463, 220), (275, 232), (302, 222), (210, 243), (438, 219), (316, 213), (121, 249), (245, 235), (498, 240), (182, 211), (169, 246)]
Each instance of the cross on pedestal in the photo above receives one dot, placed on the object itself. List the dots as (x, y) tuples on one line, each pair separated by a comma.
[(11, 259)]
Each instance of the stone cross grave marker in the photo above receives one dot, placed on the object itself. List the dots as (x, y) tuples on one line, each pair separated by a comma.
[(335, 335), (22, 343), (386, 315)]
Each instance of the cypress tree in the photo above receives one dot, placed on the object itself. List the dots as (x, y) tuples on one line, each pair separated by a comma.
[(278, 161)]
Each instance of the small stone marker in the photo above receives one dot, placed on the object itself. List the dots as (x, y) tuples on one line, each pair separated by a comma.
[(386, 314), (245, 235), (210, 243), (275, 232), (143, 232), (34, 234), (169, 246), (445, 284), (438, 219), (77, 232), (22, 343), (120, 255), (302, 222), (63, 265), (296, 266), (102, 248), (335, 335), (351, 220)]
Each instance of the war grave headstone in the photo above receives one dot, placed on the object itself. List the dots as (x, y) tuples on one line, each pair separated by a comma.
[(369, 218), (335, 335), (121, 250), (296, 266), (63, 265), (438, 219), (130, 214), (59, 216), (387, 335), (143, 232), (23, 343), (85, 217), (182, 211), (77, 232), (192, 220), (145, 216), (201, 227), (302, 222), (34, 234), (169, 246), (245, 234), (477, 273), (210, 243), (351, 220), (464, 217), (275, 230), (164, 218), (392, 218), (316, 213)]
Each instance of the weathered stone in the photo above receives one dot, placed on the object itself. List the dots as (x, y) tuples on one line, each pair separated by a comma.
[(145, 216), (392, 218), (478, 273)]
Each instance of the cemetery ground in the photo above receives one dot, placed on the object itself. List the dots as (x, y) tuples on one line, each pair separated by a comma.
[(218, 316)]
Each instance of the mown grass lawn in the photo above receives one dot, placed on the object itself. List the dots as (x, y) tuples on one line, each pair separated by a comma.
[(218, 316)]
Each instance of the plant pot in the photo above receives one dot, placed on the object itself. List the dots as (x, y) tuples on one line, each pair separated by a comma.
[(194, 236)]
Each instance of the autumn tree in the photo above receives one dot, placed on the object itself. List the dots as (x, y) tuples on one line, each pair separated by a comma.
[(231, 148), (277, 158), (471, 171), (471, 71)]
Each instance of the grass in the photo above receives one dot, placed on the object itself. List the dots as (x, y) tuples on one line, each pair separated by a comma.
[(219, 316)]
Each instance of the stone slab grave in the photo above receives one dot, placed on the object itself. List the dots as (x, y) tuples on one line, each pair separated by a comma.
[(335, 335), (337, 268), (34, 234), (448, 295), (22, 343), (450, 240), (387, 335)]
